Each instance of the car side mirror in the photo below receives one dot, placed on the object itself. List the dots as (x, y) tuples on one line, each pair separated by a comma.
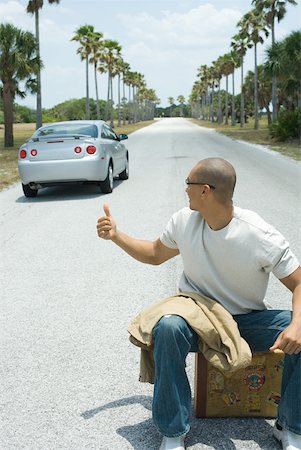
[(122, 137)]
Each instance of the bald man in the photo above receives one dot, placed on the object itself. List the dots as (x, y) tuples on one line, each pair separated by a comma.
[(228, 254)]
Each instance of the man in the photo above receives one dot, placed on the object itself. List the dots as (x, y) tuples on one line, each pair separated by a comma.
[(228, 254)]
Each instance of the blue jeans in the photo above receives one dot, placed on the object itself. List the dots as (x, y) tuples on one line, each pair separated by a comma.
[(174, 339)]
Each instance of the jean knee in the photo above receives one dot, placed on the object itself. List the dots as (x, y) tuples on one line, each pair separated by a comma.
[(170, 324)]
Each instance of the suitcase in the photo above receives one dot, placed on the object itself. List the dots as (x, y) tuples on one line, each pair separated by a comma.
[(250, 392)]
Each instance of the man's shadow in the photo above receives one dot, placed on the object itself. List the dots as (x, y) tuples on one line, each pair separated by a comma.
[(217, 434)]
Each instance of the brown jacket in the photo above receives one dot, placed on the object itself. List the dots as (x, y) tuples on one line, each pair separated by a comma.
[(219, 338)]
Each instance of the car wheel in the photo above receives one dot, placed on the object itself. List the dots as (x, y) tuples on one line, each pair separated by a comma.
[(124, 175), (28, 191), (106, 186)]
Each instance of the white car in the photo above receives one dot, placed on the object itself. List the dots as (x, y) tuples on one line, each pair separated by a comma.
[(70, 152)]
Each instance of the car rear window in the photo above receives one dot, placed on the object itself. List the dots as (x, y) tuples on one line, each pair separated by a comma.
[(66, 130)]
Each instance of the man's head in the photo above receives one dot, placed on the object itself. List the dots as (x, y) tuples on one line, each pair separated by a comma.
[(216, 176)]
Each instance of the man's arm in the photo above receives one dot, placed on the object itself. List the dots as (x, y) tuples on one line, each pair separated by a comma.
[(144, 251), (289, 341)]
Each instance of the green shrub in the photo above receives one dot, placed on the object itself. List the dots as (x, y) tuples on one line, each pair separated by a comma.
[(287, 126)]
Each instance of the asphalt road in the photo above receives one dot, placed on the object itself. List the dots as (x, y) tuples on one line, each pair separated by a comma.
[(69, 376)]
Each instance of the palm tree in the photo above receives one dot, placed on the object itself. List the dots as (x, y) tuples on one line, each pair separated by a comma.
[(137, 82), (253, 24), (33, 7), (110, 56), (125, 69), (284, 59), (171, 101), (264, 89), (196, 99), (119, 67), (84, 35), (212, 83), (240, 44), (181, 100), (148, 100), (273, 9), (204, 73), (218, 73), (96, 54), (18, 63), (235, 60), (128, 79), (228, 66)]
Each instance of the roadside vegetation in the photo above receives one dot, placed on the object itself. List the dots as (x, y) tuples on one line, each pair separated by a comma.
[(273, 88), (22, 131), (260, 136)]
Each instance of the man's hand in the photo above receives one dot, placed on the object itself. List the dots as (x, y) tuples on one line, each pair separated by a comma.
[(289, 341), (106, 226)]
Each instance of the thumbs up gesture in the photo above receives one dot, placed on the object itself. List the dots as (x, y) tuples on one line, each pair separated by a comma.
[(106, 226)]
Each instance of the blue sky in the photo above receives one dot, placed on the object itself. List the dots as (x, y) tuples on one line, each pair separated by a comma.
[(165, 40)]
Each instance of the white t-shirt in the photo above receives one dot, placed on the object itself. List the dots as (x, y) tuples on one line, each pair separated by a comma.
[(231, 265)]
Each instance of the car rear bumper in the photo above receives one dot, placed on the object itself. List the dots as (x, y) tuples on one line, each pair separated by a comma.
[(62, 171)]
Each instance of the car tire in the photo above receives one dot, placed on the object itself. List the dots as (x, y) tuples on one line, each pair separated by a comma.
[(124, 175), (28, 191), (106, 186)]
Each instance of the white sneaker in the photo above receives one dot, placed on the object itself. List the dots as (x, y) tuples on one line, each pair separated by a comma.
[(174, 443), (289, 440)]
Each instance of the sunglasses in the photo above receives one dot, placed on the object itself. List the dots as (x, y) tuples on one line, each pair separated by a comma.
[(188, 183)]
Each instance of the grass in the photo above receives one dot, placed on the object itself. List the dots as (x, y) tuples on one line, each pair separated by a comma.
[(260, 136), (22, 131)]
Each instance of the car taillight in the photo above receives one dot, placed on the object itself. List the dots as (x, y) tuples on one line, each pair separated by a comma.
[(33, 152), (78, 149), (91, 149), (23, 154)]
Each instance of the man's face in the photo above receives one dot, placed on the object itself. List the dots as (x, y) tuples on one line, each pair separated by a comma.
[(193, 190)]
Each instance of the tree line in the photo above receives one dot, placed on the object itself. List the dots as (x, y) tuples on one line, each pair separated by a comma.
[(277, 82), (105, 57), (21, 65)]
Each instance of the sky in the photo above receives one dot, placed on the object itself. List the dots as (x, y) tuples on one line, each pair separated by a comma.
[(165, 40)]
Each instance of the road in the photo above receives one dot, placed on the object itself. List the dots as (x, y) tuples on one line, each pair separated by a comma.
[(69, 375)]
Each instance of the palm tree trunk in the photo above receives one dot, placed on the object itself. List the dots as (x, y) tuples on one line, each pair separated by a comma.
[(212, 104), (39, 94), (233, 112), (129, 105), (134, 106), (111, 104), (108, 97), (227, 101), (242, 100), (119, 122), (8, 115), (274, 81), (123, 109), (256, 125), (96, 92), (87, 90), (219, 113)]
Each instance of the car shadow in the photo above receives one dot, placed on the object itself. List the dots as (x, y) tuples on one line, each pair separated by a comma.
[(218, 434), (67, 192)]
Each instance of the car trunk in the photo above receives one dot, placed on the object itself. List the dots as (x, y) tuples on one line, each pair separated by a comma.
[(59, 148)]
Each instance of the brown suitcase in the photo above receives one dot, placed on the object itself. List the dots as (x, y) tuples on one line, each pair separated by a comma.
[(250, 392)]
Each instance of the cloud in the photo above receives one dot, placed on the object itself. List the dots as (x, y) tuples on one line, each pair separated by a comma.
[(13, 12), (177, 43), (196, 29), (10, 8)]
